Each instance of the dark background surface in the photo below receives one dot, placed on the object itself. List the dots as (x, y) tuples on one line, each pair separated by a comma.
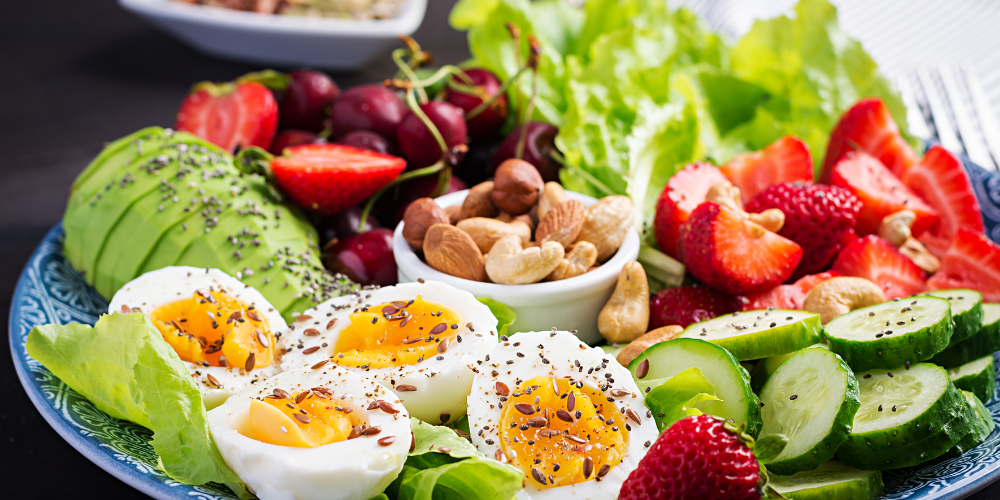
[(73, 75)]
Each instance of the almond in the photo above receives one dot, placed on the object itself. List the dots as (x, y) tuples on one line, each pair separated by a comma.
[(452, 251), (420, 215), (452, 212), (553, 195), (562, 223)]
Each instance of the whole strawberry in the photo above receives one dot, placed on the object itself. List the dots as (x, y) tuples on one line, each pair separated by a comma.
[(689, 304), (697, 458), (820, 219)]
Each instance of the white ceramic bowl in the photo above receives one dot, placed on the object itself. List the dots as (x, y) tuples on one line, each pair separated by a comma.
[(339, 44), (571, 304)]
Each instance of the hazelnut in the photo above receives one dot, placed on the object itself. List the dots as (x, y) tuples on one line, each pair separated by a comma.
[(420, 215), (477, 203), (516, 187)]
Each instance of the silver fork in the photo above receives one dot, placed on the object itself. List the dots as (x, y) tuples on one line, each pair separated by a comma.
[(951, 101)]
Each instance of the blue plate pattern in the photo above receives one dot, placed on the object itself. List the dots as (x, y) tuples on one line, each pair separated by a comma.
[(51, 291)]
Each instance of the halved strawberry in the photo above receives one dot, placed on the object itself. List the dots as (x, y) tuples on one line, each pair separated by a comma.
[(880, 192), (731, 254), (972, 261), (785, 160), (785, 296), (868, 128), (683, 193), (230, 114), (685, 305), (881, 263), (330, 178), (941, 180)]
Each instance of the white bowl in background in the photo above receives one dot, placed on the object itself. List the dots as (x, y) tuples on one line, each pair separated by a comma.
[(339, 44), (571, 304)]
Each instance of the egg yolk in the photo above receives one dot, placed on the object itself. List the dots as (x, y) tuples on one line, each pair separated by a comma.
[(212, 328), (561, 434), (304, 420), (396, 333)]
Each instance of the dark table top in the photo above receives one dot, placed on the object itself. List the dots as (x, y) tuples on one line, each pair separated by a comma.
[(76, 74)]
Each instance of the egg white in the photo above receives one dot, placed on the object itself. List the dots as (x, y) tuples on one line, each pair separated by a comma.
[(441, 384), (356, 469), (561, 350), (170, 284)]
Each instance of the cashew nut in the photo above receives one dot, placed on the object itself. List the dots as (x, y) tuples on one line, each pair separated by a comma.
[(577, 261), (647, 340), (505, 217), (607, 223), (728, 195), (841, 295), (485, 232), (510, 264), (626, 314), (553, 194), (895, 228)]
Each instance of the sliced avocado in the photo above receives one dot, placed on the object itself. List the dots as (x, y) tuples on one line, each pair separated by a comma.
[(140, 229), (104, 173)]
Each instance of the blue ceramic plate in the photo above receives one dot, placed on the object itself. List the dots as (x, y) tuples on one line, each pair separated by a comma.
[(51, 291)]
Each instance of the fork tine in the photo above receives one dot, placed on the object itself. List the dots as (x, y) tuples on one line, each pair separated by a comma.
[(914, 117), (974, 145), (984, 112), (942, 122)]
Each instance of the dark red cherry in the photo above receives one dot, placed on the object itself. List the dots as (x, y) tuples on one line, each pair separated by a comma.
[(394, 202), (367, 107), (487, 123), (307, 100), (291, 137), (417, 142), (365, 258), (538, 147), (366, 139)]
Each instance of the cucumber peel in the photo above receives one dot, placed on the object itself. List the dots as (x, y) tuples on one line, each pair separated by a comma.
[(830, 481), (984, 343), (977, 376), (966, 311), (759, 334)]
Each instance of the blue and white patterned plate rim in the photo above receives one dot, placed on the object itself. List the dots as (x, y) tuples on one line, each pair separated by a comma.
[(50, 291)]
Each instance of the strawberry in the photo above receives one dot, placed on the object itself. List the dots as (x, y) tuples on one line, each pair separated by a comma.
[(330, 178), (785, 160), (785, 296), (729, 253), (688, 304), (819, 218), (973, 261), (881, 193), (697, 458), (868, 128), (878, 261), (685, 191), (941, 180), (230, 114)]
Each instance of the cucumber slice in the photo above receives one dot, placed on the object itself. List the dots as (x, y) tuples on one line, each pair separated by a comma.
[(890, 334), (759, 334), (982, 425), (732, 382), (966, 311), (765, 367), (811, 398), (830, 481), (906, 417), (984, 343), (977, 376)]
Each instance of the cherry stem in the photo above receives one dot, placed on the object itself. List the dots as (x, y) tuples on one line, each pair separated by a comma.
[(587, 176), (444, 72), (397, 56), (411, 101), (413, 174), (500, 92), (519, 152)]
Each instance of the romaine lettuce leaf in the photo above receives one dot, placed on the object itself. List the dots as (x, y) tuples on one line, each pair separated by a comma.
[(445, 466), (677, 397), (126, 369), (502, 312)]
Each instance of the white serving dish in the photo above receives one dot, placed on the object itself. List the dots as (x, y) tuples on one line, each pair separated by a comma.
[(289, 41), (571, 304)]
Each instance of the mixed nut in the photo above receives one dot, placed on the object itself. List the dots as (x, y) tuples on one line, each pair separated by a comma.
[(517, 229)]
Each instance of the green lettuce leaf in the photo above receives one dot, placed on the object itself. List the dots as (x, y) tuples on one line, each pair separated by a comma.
[(459, 473), (811, 72), (126, 369), (679, 396), (502, 312)]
